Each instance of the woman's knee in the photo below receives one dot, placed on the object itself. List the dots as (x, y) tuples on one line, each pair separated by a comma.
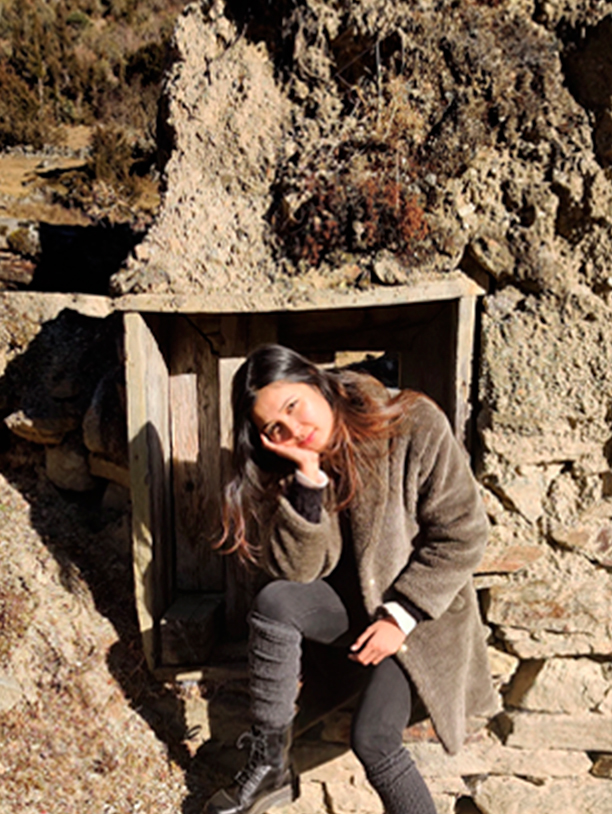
[(383, 712), (313, 608), (274, 600), (372, 743)]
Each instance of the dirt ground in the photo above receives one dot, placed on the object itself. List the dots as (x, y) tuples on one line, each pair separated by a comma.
[(90, 730), (22, 181), (22, 190), (31, 186)]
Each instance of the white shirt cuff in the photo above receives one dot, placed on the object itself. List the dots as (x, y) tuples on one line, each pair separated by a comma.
[(320, 483), (405, 620)]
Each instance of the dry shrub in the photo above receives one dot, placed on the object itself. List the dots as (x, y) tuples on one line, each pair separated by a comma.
[(356, 191), (397, 113), (357, 215), (21, 121), (114, 185), (111, 156)]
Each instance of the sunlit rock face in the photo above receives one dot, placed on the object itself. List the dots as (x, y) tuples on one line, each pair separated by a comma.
[(306, 137)]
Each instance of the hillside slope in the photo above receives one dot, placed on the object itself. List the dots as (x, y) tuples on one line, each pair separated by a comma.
[(79, 712)]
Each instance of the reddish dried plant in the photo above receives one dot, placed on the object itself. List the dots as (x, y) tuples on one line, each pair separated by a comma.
[(359, 215)]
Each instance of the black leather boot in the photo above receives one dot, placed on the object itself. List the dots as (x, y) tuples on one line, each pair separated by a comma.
[(267, 780)]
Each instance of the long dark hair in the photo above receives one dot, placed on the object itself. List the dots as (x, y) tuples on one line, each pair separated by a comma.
[(362, 414)]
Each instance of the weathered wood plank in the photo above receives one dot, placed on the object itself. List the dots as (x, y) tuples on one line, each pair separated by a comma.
[(242, 583), (148, 425), (227, 369), (464, 359), (196, 459), (423, 287), (446, 286)]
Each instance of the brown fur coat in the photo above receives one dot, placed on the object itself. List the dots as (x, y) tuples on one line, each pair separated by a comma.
[(419, 530)]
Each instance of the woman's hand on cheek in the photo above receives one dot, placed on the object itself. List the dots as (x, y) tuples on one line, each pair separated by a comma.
[(306, 460), (381, 639)]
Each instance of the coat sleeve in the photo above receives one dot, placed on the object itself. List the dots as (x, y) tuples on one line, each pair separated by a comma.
[(453, 526), (299, 550)]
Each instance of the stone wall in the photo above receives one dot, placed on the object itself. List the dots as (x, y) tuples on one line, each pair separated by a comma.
[(62, 388)]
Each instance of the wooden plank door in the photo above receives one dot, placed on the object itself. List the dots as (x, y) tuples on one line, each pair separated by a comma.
[(196, 458), (148, 421)]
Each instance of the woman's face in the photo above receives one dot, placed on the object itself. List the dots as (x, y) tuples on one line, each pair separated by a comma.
[(294, 414)]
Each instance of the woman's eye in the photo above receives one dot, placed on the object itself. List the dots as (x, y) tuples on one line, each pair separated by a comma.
[(291, 406), (274, 433)]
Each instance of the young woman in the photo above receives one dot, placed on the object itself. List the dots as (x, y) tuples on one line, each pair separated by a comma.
[(370, 523)]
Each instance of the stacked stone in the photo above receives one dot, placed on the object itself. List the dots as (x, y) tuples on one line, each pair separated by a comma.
[(546, 587), (66, 393), (19, 251)]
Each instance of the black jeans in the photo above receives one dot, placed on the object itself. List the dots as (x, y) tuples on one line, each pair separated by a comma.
[(318, 614)]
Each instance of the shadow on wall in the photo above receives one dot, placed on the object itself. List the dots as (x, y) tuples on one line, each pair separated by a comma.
[(81, 258)]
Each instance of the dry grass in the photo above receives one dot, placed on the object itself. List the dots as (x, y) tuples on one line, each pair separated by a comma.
[(23, 188), (20, 175), (93, 731), (60, 758), (355, 190)]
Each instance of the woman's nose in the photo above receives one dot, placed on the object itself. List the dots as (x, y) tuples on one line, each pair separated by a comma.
[(294, 427)]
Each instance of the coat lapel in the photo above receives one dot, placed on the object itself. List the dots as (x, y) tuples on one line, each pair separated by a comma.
[(367, 511)]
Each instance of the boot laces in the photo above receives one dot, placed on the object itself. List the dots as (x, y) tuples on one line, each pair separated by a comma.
[(255, 766)]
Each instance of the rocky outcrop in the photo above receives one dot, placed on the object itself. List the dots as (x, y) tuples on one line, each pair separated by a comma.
[(472, 134), (65, 391)]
